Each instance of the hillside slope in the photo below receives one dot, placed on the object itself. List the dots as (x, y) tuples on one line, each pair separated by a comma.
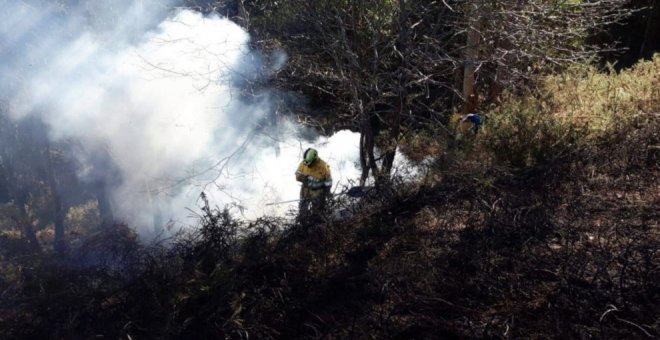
[(542, 226)]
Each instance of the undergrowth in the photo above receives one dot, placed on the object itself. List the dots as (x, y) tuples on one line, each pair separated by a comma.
[(547, 227), (569, 113)]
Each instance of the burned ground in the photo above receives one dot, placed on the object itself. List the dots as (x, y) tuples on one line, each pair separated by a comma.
[(569, 249)]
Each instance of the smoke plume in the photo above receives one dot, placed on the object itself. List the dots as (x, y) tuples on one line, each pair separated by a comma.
[(153, 94)]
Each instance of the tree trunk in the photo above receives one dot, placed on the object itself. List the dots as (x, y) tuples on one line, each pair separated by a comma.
[(470, 98), (23, 222), (367, 149), (60, 241), (4, 186), (104, 203), (58, 213), (389, 152), (363, 159)]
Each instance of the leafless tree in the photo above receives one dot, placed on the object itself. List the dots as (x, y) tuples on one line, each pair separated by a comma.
[(510, 42), (383, 67)]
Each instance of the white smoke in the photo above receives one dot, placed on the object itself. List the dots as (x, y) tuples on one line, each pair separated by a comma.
[(156, 90)]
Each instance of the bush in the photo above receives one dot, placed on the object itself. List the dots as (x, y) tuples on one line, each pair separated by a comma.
[(522, 135), (601, 100), (571, 111)]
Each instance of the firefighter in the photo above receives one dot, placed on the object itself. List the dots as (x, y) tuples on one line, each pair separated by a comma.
[(467, 125), (473, 121), (314, 174)]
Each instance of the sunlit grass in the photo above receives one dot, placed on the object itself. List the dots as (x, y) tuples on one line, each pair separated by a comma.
[(571, 110)]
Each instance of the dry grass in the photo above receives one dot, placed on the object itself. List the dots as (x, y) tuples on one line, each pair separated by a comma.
[(599, 99), (570, 113)]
